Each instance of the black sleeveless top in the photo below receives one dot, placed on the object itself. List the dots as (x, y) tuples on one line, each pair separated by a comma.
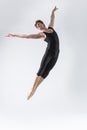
[(53, 41)]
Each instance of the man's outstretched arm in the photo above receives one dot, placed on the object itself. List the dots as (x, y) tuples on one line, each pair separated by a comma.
[(33, 36), (51, 24)]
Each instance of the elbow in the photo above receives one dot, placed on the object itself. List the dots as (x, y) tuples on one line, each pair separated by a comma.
[(28, 36)]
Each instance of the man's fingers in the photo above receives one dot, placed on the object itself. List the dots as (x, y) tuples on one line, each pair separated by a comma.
[(55, 8), (9, 35)]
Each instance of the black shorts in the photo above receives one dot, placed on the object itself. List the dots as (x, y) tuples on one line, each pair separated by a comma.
[(47, 63)]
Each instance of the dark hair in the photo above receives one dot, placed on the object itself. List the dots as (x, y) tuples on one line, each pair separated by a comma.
[(38, 21)]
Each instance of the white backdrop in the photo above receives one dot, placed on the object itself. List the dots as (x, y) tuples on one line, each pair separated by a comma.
[(61, 100)]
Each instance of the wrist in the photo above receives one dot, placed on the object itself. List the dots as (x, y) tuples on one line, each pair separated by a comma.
[(52, 13)]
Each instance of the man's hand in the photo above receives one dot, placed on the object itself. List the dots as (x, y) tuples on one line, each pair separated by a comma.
[(10, 35), (55, 8)]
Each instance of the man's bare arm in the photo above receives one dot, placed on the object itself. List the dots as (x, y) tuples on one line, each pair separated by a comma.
[(33, 36), (51, 24)]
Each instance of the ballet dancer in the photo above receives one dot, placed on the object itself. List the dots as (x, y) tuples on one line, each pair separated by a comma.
[(49, 35)]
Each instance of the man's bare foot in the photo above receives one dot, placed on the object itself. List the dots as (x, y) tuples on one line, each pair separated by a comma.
[(30, 95)]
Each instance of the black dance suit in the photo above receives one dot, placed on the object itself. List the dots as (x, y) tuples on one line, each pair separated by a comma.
[(51, 54)]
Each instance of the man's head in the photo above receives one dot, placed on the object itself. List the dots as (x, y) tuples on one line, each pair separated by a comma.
[(39, 24)]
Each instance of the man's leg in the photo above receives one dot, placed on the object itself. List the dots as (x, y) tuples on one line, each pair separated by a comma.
[(37, 82)]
